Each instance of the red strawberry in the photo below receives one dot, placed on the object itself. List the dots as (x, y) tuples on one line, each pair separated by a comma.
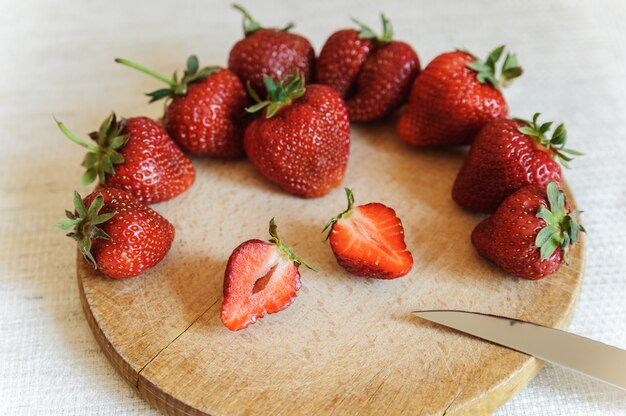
[(117, 233), (506, 155), (260, 278), (373, 74), (454, 97), (138, 156), (531, 233), (302, 141), (206, 110), (368, 240), (269, 52)]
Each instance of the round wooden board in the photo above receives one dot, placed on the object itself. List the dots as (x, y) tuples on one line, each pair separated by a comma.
[(347, 345)]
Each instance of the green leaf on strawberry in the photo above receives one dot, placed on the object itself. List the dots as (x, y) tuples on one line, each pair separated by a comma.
[(556, 143), (250, 25), (561, 230), (278, 94), (488, 72), (85, 223)]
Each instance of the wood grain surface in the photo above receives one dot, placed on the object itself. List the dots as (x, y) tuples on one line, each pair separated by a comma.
[(347, 345)]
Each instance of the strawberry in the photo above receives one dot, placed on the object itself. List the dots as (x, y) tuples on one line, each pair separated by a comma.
[(275, 53), (454, 97), (260, 278), (372, 73), (138, 156), (118, 234), (206, 110), (530, 235), (302, 140), (368, 240), (507, 155)]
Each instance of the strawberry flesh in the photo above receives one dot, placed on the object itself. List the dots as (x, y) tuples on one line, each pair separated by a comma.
[(370, 242), (259, 279)]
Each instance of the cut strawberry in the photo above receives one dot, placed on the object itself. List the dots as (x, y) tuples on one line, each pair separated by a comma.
[(260, 278), (368, 240)]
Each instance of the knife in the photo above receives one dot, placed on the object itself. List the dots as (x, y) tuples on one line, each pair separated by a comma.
[(592, 358)]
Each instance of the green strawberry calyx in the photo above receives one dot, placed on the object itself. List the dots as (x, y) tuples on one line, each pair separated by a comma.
[(85, 224), (104, 153), (556, 143), (176, 87), (279, 94), (366, 32), (562, 229), (285, 249), (250, 26), (488, 72), (344, 214)]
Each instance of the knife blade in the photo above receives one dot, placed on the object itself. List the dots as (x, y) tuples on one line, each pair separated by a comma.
[(592, 358)]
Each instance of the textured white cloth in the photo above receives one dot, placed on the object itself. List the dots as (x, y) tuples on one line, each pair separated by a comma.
[(57, 57)]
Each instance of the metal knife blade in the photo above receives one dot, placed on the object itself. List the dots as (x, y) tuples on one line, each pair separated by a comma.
[(592, 358)]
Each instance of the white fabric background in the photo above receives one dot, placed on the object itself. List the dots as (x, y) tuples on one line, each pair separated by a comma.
[(57, 57)]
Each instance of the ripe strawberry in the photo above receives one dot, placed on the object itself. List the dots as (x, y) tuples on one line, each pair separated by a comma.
[(368, 240), (206, 110), (269, 52), (302, 140), (138, 156), (117, 233), (454, 97), (373, 74), (506, 155), (531, 233), (260, 278)]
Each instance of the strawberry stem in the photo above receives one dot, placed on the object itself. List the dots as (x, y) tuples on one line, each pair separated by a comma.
[(176, 87), (285, 249), (344, 214), (561, 230), (250, 25), (366, 32), (102, 157), (145, 70)]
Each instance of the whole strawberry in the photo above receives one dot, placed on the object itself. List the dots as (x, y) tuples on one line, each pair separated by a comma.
[(454, 96), (531, 233), (138, 156), (302, 140), (507, 155), (260, 278), (206, 109), (118, 234), (368, 240), (373, 74), (275, 53)]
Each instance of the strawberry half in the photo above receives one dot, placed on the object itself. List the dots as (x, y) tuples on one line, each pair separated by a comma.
[(261, 278), (530, 235), (507, 155), (118, 234), (454, 96), (372, 73), (206, 108), (138, 156), (368, 240)]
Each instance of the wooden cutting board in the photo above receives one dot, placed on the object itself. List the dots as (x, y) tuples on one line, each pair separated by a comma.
[(347, 345)]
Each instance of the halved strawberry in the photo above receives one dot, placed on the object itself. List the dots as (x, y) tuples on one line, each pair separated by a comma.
[(260, 278), (368, 240)]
